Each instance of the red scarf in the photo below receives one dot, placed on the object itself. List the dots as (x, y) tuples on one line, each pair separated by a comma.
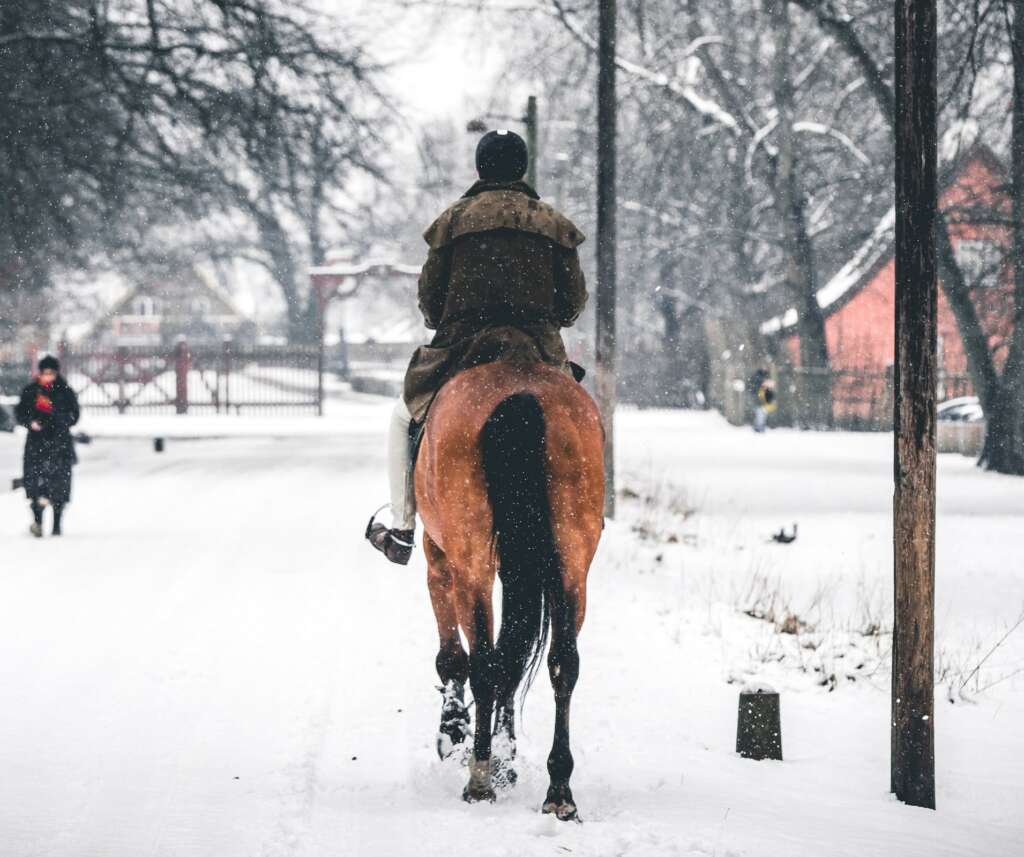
[(44, 404)]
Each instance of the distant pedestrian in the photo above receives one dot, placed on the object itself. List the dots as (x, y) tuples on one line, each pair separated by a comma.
[(48, 408), (762, 388)]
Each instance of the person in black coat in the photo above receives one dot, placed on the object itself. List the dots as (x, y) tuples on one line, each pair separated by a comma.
[(48, 408)]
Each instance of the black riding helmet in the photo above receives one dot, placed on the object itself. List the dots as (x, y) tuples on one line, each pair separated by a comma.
[(501, 156)]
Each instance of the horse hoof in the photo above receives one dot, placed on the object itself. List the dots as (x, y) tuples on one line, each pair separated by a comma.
[(479, 786), (564, 811), (471, 795), (560, 804)]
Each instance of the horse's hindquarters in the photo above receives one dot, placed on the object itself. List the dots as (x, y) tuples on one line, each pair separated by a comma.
[(450, 488)]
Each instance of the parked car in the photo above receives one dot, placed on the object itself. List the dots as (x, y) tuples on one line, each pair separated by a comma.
[(964, 409)]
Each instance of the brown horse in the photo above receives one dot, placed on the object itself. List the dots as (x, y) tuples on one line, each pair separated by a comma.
[(509, 480)]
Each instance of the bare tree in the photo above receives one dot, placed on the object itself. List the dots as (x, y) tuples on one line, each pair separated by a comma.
[(119, 120), (974, 36), (704, 121)]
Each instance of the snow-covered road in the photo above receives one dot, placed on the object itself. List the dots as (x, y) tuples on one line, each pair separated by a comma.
[(212, 662)]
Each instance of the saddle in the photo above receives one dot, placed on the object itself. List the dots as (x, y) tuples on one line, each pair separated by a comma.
[(492, 345)]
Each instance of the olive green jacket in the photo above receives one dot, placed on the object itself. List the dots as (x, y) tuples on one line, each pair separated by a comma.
[(502, 277)]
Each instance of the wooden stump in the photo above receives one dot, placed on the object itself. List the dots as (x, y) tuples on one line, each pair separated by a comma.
[(759, 729)]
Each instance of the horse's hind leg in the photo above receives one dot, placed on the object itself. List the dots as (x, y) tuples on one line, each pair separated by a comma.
[(480, 625), (504, 741), (452, 662), (564, 669)]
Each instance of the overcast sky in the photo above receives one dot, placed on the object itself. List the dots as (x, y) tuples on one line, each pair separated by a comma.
[(440, 64)]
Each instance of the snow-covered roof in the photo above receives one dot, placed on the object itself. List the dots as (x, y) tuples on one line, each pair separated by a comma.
[(354, 269), (188, 276), (218, 291), (848, 278), (191, 276), (959, 146)]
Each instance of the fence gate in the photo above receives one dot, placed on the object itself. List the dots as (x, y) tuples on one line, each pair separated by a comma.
[(182, 379)]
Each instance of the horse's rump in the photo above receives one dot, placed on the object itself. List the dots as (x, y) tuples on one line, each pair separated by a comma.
[(451, 490)]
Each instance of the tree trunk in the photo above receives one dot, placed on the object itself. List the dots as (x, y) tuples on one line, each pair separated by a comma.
[(980, 365), (312, 324), (1004, 439), (816, 394), (743, 314), (285, 269), (675, 369), (814, 357), (696, 323)]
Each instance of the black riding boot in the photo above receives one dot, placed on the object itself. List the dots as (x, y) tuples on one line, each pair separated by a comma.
[(58, 512), (37, 524), (396, 545)]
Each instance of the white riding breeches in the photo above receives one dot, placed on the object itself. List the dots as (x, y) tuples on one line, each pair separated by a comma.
[(403, 497)]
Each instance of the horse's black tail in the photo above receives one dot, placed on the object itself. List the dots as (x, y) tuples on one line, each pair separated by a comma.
[(529, 567)]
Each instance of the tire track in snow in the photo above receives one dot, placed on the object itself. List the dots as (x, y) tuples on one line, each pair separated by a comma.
[(294, 822)]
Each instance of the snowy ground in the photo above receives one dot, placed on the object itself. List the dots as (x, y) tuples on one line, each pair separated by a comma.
[(212, 662)]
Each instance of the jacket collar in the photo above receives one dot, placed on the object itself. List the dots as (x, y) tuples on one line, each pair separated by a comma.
[(482, 186), (58, 383)]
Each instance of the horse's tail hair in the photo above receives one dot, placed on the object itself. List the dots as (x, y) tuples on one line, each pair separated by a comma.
[(514, 463)]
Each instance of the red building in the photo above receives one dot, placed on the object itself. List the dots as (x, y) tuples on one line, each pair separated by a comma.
[(859, 300)]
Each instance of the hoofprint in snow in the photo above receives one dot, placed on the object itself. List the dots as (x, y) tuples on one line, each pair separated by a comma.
[(212, 662)]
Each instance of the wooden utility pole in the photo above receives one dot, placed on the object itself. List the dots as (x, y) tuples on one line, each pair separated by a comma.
[(605, 346), (913, 723)]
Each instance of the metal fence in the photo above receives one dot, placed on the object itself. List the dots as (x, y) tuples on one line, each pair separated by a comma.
[(855, 399), (224, 379)]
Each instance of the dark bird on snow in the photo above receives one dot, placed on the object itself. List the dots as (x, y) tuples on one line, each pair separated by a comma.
[(784, 538)]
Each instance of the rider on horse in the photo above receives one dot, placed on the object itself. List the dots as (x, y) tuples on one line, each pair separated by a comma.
[(501, 279)]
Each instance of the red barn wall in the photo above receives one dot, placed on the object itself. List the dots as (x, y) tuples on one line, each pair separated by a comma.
[(860, 333)]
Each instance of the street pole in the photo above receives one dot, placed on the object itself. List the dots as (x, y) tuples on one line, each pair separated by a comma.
[(913, 722), (531, 140), (605, 355)]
